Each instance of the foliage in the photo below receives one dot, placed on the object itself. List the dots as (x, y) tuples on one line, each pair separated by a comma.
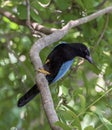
[(83, 97)]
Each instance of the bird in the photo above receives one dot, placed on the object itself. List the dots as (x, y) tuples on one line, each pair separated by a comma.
[(57, 63)]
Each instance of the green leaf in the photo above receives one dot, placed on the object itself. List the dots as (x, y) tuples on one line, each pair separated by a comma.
[(82, 102), (70, 108), (12, 25), (70, 116), (110, 19), (76, 120), (105, 121), (62, 4), (95, 68), (22, 11), (65, 116), (80, 3), (62, 125), (35, 16), (89, 128), (89, 4)]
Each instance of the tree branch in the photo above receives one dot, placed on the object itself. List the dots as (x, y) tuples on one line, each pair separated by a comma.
[(34, 54), (12, 17), (102, 33), (36, 26)]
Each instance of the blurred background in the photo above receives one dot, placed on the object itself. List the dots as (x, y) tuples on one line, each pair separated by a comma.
[(83, 98)]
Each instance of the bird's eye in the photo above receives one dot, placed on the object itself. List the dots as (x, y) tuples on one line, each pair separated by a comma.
[(86, 52), (82, 51)]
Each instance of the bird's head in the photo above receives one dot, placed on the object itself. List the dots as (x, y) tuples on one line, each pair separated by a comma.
[(83, 51)]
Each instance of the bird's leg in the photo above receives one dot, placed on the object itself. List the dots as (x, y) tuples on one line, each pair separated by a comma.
[(42, 70)]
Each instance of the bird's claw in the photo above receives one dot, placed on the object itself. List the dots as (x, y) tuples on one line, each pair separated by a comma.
[(41, 70)]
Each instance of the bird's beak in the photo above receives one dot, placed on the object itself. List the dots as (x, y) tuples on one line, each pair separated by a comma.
[(89, 58)]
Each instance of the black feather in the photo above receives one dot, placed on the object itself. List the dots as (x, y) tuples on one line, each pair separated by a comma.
[(55, 63)]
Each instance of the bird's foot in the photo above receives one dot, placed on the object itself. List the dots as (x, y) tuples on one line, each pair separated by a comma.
[(43, 71)]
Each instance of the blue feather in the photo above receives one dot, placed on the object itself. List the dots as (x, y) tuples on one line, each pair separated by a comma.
[(64, 68)]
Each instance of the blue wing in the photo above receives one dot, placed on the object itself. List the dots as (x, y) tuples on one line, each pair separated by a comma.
[(64, 68)]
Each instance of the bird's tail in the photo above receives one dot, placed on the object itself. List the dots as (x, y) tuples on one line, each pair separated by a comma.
[(28, 96)]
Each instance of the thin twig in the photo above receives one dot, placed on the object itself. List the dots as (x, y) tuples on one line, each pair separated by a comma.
[(102, 33), (28, 21), (28, 11), (101, 4), (36, 26)]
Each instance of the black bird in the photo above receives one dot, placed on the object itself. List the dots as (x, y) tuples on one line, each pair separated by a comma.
[(57, 64)]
